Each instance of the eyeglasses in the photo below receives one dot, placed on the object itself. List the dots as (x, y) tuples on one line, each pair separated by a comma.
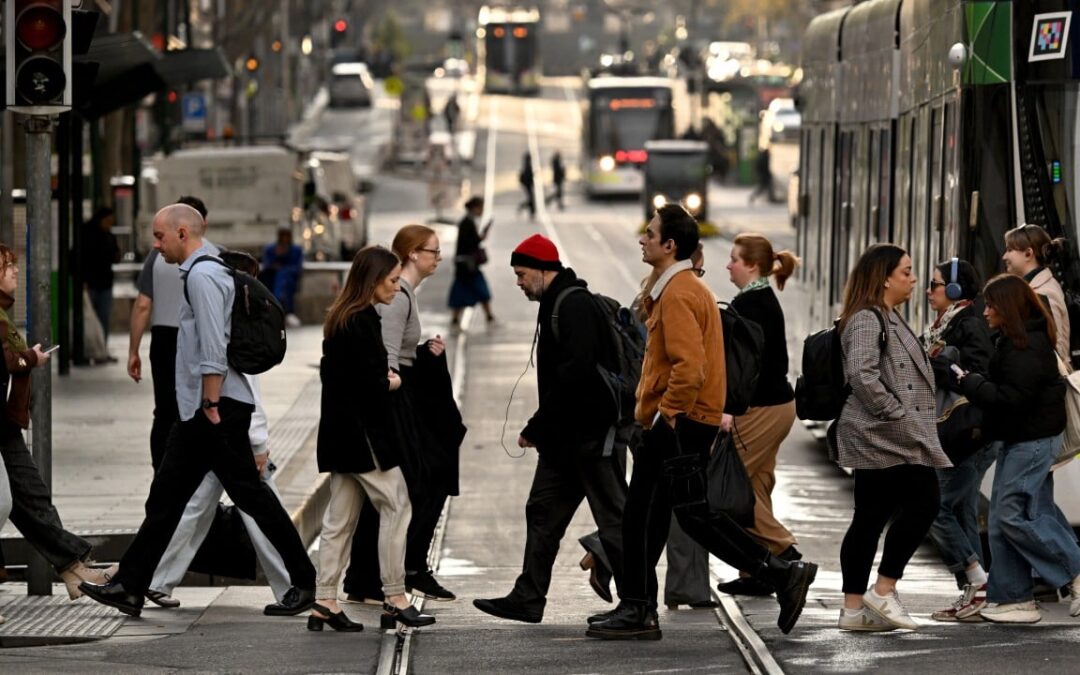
[(700, 271), (436, 251), (935, 284)]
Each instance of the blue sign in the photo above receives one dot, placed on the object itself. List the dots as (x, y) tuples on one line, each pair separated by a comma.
[(193, 109)]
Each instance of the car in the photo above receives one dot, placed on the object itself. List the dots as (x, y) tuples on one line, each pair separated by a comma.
[(350, 85)]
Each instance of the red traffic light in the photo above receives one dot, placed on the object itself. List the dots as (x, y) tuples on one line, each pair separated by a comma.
[(341, 25), (40, 26)]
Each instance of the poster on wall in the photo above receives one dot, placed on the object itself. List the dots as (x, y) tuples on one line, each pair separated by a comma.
[(1049, 36)]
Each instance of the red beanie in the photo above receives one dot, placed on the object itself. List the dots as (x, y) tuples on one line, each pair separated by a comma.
[(538, 253)]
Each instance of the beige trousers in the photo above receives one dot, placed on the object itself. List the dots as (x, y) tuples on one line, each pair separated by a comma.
[(387, 492), (758, 435)]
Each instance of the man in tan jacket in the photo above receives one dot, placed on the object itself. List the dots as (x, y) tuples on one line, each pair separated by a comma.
[(680, 404)]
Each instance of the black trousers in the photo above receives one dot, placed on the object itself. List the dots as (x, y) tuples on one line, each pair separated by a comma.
[(363, 576), (559, 485), (649, 508), (907, 494), (32, 510), (163, 373), (196, 447)]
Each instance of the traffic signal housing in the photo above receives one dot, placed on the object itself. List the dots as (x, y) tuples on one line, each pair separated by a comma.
[(38, 52)]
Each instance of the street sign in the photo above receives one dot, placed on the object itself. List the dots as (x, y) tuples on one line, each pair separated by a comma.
[(193, 108)]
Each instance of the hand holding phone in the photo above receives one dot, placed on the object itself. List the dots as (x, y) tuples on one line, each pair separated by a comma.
[(960, 372), (52, 349)]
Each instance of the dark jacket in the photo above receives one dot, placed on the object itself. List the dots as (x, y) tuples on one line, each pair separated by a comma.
[(1023, 396), (433, 393), (969, 333), (576, 409), (468, 243), (356, 399), (762, 307)]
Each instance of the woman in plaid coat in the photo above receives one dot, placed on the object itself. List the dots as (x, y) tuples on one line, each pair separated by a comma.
[(887, 434)]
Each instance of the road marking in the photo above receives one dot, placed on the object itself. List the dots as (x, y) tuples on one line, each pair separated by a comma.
[(538, 185), (750, 645)]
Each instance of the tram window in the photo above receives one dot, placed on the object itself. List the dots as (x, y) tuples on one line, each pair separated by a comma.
[(885, 185), (1058, 112), (950, 182)]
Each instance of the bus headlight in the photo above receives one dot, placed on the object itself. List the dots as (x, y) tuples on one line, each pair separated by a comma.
[(693, 201), (607, 163), (658, 201)]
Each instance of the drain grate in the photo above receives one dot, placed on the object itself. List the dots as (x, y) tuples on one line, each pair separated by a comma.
[(54, 620)]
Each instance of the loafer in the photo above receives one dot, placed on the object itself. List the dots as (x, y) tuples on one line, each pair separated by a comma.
[(296, 601), (745, 586), (504, 608), (627, 622), (115, 595), (426, 585), (599, 576)]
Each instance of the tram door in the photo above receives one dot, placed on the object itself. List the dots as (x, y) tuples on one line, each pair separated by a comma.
[(826, 220), (920, 212), (950, 179)]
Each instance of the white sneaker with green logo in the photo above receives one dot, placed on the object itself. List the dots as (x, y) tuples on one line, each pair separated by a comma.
[(889, 609), (862, 621)]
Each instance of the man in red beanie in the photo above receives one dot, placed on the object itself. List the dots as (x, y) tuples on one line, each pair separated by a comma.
[(568, 429)]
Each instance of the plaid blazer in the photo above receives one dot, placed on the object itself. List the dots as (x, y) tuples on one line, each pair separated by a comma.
[(890, 417)]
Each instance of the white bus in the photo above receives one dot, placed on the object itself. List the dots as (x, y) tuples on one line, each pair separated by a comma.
[(621, 114)]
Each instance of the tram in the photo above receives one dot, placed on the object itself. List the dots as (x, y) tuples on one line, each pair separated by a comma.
[(937, 125), (509, 49), (620, 115)]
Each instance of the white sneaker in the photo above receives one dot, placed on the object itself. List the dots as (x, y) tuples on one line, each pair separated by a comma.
[(863, 621), (1012, 612), (889, 609), (966, 607), (1074, 593)]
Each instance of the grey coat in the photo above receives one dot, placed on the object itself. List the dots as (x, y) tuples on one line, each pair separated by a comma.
[(890, 417)]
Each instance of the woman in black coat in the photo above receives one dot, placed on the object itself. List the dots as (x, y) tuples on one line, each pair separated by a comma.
[(357, 443), (956, 529), (1023, 398)]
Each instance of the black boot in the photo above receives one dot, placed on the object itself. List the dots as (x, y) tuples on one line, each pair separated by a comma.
[(791, 582), (628, 622), (745, 586)]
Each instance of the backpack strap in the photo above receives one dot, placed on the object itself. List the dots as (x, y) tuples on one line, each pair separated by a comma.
[(558, 303), (197, 261)]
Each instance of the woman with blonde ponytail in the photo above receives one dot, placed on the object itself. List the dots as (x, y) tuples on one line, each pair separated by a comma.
[(759, 432)]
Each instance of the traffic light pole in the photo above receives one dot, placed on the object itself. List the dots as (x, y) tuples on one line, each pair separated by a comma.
[(39, 224)]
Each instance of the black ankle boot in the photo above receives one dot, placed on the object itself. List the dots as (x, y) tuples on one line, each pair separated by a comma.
[(791, 582), (627, 622)]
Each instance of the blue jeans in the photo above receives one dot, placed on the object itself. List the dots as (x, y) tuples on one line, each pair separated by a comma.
[(956, 528), (1025, 535)]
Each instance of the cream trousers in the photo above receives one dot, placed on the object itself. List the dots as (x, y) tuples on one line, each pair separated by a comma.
[(387, 492)]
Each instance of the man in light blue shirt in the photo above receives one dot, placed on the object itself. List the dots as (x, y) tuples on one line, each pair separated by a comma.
[(215, 404)]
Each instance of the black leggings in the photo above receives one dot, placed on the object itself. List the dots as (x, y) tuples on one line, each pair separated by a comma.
[(908, 495)]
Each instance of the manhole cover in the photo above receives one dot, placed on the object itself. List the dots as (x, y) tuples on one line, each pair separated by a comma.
[(34, 621)]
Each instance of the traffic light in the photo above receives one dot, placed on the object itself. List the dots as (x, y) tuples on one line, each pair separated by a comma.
[(337, 35), (39, 57)]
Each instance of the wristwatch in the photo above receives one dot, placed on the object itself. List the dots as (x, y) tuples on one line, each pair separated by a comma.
[(207, 404)]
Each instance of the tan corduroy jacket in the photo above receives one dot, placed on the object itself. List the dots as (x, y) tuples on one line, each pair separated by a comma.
[(683, 372)]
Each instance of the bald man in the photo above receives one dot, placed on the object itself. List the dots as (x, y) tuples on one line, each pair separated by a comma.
[(215, 404)]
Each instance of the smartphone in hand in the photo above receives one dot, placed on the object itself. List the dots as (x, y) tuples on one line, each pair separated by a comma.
[(52, 349)]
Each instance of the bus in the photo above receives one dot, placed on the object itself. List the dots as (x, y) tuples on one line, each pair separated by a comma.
[(508, 49), (923, 128), (621, 114)]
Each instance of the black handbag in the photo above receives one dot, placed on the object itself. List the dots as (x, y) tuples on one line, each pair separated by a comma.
[(227, 550), (729, 488), (959, 426)]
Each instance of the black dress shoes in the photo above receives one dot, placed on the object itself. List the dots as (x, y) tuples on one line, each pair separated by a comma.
[(745, 586), (114, 595), (602, 616), (628, 622), (505, 608), (410, 616), (296, 600), (425, 584), (599, 576), (791, 582)]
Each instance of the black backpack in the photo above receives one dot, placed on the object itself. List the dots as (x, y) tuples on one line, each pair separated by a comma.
[(744, 342), (822, 390), (257, 337), (628, 340)]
